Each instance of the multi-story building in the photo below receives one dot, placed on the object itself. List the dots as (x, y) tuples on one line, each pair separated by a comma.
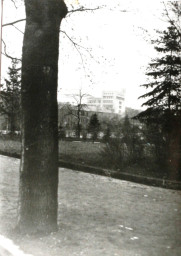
[(111, 101), (94, 104)]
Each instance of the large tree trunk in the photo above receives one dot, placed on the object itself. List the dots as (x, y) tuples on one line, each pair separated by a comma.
[(39, 160)]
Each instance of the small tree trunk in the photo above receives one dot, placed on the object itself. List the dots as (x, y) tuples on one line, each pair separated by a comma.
[(39, 160), (174, 154), (78, 122), (78, 128)]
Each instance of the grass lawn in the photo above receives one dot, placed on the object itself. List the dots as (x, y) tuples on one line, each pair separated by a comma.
[(80, 152), (87, 153), (97, 216)]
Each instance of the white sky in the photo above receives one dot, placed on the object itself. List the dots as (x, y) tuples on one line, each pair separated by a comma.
[(116, 41)]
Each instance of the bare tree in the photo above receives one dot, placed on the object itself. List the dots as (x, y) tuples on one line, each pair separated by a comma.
[(76, 109)]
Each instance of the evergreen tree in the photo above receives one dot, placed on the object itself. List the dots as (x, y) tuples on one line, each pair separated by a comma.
[(164, 98), (10, 97), (94, 126)]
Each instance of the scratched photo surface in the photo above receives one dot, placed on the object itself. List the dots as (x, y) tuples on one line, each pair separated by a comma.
[(90, 128)]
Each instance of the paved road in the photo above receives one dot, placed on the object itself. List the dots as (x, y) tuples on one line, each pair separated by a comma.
[(100, 216)]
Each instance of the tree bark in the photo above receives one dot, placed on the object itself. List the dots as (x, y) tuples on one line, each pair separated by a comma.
[(39, 160)]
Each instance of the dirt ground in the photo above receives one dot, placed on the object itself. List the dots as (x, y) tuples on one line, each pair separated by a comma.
[(99, 216)]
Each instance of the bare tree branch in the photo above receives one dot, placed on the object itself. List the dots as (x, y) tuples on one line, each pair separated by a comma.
[(74, 43), (82, 9), (18, 29), (14, 3), (13, 22), (6, 54), (76, 47)]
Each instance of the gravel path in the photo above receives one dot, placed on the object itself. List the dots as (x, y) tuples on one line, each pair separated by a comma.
[(99, 216)]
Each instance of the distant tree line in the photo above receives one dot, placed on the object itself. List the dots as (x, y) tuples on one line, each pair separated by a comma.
[(10, 98)]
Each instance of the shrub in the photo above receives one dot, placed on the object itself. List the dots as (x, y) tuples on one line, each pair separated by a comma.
[(114, 153)]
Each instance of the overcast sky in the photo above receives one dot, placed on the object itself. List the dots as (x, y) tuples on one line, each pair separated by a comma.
[(114, 47)]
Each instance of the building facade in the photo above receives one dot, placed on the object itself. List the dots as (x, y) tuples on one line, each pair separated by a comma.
[(110, 102)]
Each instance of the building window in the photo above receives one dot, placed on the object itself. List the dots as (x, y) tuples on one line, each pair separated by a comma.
[(108, 106), (107, 97), (107, 101)]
